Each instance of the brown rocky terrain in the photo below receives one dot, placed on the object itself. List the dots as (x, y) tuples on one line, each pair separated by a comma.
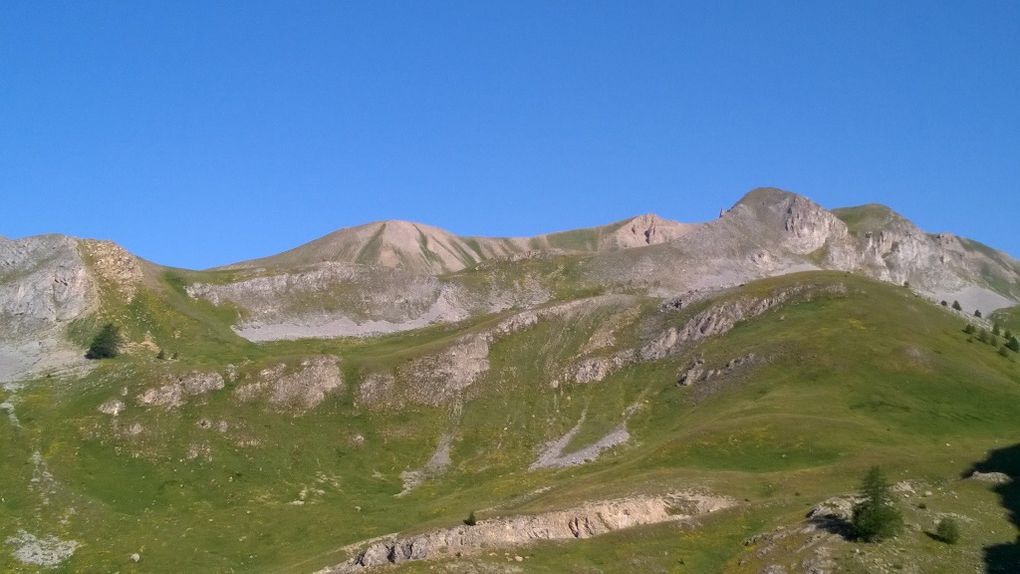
[(588, 520)]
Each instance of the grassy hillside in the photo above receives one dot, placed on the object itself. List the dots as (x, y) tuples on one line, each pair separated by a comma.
[(878, 376)]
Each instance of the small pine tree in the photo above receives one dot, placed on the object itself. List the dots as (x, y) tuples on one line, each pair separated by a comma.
[(471, 520), (106, 343), (1013, 344), (161, 355), (957, 306), (1008, 334), (996, 330), (948, 531), (943, 303), (982, 336), (876, 517), (977, 313), (969, 329)]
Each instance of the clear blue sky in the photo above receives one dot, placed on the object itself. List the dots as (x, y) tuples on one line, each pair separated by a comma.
[(200, 133)]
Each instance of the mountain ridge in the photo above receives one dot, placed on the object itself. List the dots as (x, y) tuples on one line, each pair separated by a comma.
[(393, 275), (423, 247)]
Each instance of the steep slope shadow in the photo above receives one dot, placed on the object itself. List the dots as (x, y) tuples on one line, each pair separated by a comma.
[(1004, 558)]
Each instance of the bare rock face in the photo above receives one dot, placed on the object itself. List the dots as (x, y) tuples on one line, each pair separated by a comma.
[(801, 225), (585, 521), (298, 389), (772, 232), (437, 379), (352, 300), (336, 299), (44, 284), (177, 389), (942, 265), (115, 265), (649, 229)]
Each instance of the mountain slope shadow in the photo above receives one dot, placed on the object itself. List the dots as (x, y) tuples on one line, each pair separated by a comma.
[(1004, 558)]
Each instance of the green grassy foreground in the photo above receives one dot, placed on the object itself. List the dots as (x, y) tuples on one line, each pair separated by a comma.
[(879, 376)]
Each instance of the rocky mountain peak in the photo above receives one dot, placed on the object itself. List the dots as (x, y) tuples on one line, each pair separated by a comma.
[(803, 226), (647, 229)]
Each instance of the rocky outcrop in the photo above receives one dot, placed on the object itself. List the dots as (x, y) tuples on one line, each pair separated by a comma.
[(297, 389), (648, 229), (695, 371), (42, 551), (112, 407), (595, 369), (990, 477), (335, 300), (835, 509), (376, 390), (438, 378), (352, 300), (800, 225), (44, 284), (720, 317), (771, 232), (716, 320), (114, 265), (178, 388), (585, 521)]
